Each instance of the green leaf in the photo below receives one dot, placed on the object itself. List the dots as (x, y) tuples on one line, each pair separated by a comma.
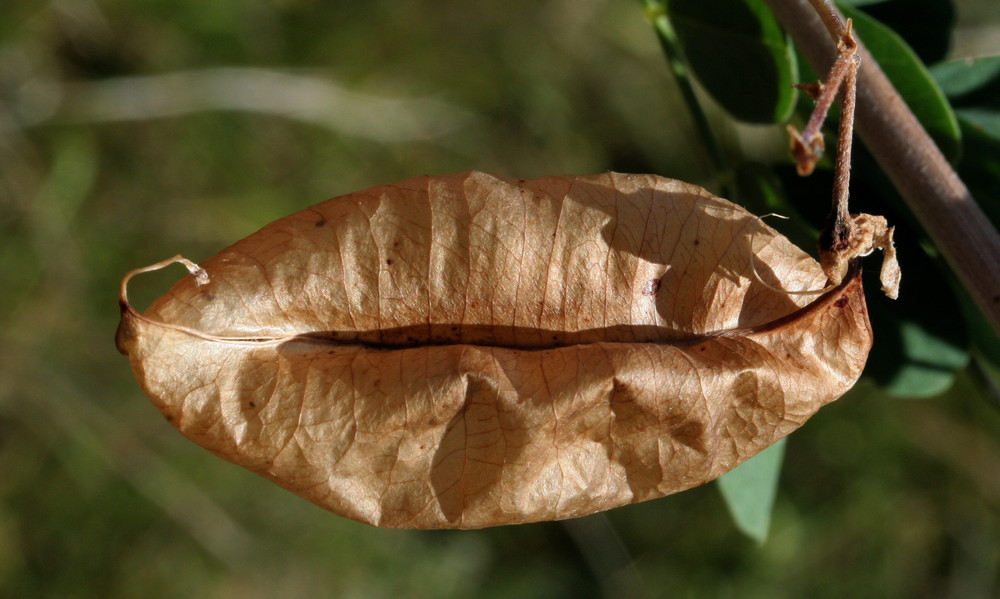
[(750, 488), (912, 80), (980, 164), (740, 55), (958, 78), (929, 364), (982, 119)]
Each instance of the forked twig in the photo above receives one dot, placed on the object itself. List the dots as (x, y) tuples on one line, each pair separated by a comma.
[(845, 236), (932, 189), (808, 146)]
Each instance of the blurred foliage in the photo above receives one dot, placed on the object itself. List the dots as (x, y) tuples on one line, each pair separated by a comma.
[(119, 146), (749, 491), (725, 40)]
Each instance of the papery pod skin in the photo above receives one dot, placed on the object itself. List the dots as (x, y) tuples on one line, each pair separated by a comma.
[(465, 350)]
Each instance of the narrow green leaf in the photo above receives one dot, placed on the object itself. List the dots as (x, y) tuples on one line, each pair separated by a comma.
[(966, 75), (930, 363), (983, 119), (980, 164), (656, 12), (740, 55), (911, 79), (750, 488)]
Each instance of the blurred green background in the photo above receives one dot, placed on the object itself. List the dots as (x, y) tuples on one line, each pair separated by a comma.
[(133, 131)]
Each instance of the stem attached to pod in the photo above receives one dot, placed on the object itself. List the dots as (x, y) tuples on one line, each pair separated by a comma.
[(845, 236)]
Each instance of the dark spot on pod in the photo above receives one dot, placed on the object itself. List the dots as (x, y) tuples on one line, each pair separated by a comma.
[(389, 261), (651, 287), (841, 302), (252, 404), (320, 223), (696, 242)]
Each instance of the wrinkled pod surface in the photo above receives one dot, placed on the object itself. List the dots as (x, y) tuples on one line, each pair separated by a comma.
[(466, 350)]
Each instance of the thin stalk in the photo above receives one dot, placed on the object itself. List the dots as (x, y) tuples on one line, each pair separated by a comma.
[(845, 141), (808, 146), (931, 188), (657, 14)]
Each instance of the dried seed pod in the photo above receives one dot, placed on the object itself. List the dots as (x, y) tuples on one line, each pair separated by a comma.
[(468, 350)]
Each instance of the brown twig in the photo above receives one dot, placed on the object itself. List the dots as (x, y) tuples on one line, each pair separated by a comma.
[(938, 198), (846, 237), (807, 147), (837, 222)]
